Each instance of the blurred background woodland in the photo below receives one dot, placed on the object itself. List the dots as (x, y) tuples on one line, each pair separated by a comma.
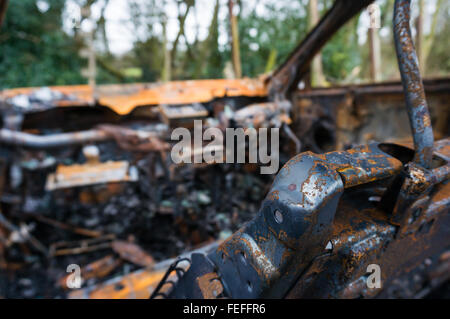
[(62, 42)]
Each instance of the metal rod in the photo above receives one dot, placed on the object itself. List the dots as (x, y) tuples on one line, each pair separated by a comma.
[(416, 104), (51, 141), (124, 136), (441, 174)]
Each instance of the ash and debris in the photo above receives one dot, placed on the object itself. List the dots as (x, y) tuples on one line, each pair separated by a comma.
[(162, 216)]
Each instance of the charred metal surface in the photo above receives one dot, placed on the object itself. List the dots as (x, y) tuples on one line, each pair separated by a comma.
[(91, 174), (126, 98), (323, 222), (327, 217), (408, 255), (419, 176), (416, 104), (127, 138), (324, 219), (54, 140), (363, 235), (266, 257), (285, 79), (325, 119), (414, 195), (201, 283)]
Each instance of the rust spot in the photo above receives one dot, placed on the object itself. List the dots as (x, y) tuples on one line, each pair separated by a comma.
[(210, 285)]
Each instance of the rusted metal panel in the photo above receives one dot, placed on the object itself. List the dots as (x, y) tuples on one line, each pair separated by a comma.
[(137, 285), (124, 98), (184, 116), (305, 238), (91, 174), (142, 283), (267, 255), (133, 253), (338, 117), (327, 217), (405, 263)]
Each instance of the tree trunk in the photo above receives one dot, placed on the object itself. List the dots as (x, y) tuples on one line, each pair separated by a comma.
[(236, 55), (428, 40), (206, 46), (110, 69), (181, 21), (317, 77), (374, 42), (166, 71), (3, 6), (101, 24), (374, 50)]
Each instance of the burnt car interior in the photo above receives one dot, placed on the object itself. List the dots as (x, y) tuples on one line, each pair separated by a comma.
[(86, 178)]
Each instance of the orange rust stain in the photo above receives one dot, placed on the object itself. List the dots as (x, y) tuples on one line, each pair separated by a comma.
[(135, 285), (442, 193), (209, 285), (122, 99), (71, 171), (274, 195)]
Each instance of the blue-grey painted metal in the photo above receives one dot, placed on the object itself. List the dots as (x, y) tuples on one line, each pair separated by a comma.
[(416, 103)]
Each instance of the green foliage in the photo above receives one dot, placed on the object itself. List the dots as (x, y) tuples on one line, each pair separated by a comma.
[(438, 62), (34, 51), (149, 56), (341, 55), (281, 28)]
